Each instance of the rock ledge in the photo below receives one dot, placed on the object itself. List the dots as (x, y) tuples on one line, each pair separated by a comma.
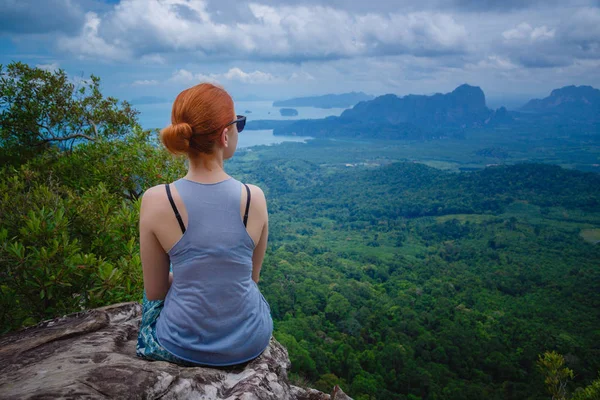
[(91, 354)]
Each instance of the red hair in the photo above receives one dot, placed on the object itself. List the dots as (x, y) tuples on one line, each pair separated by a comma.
[(199, 115)]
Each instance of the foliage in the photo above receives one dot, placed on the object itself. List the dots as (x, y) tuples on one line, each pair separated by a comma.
[(126, 166), (69, 216), (447, 305), (39, 108), (69, 227), (48, 268), (591, 392), (556, 375)]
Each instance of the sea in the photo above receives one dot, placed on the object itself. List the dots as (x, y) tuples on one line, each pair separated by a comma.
[(158, 115)]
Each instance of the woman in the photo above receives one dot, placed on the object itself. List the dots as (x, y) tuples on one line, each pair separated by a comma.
[(213, 231)]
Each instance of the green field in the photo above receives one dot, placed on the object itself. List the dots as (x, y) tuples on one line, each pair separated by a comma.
[(591, 235), (477, 150)]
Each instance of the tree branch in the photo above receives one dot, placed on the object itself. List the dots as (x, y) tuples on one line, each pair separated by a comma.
[(69, 137), (93, 124)]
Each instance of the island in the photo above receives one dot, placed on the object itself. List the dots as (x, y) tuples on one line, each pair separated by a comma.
[(288, 112)]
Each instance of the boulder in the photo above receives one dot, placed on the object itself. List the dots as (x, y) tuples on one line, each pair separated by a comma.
[(91, 354)]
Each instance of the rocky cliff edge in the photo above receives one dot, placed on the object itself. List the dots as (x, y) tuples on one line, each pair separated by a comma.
[(91, 355)]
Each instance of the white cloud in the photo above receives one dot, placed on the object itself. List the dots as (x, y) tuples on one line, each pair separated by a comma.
[(156, 59), (49, 67), (183, 76), (90, 44), (494, 62), (324, 32), (245, 77), (145, 82), (524, 31), (303, 47), (582, 31), (140, 28), (542, 32), (520, 32), (302, 75), (574, 37)]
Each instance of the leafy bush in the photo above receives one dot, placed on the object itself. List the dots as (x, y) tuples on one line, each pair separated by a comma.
[(69, 213)]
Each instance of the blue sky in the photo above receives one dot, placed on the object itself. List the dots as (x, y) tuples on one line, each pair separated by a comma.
[(280, 49)]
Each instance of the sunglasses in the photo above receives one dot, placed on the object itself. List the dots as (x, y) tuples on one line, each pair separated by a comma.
[(240, 123)]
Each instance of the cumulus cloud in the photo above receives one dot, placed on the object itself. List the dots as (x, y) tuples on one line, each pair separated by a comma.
[(499, 6), (89, 44), (235, 74), (49, 67), (524, 31), (145, 82), (312, 46), (137, 28), (184, 76), (575, 37), (582, 31), (494, 62), (245, 77)]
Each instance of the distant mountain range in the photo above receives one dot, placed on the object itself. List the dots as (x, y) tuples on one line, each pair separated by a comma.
[(465, 106), (343, 100), (572, 101), (444, 115)]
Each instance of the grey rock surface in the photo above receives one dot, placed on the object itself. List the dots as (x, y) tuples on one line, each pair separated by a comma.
[(91, 355)]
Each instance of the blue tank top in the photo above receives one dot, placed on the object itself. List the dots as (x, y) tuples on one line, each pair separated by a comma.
[(214, 313)]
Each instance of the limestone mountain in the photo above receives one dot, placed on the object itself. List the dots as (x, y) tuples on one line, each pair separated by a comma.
[(464, 106), (568, 101), (408, 117)]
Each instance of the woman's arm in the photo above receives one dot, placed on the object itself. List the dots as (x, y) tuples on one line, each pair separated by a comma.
[(259, 253), (261, 247), (155, 262)]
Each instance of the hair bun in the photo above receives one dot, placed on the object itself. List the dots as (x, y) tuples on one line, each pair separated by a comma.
[(206, 110), (176, 137)]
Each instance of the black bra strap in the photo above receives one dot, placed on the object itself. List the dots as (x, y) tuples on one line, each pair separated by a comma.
[(247, 204), (181, 225)]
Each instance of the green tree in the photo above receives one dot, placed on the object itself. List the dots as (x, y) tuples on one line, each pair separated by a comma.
[(41, 108), (367, 385), (556, 375), (299, 355), (591, 392), (69, 205), (337, 307), (327, 381)]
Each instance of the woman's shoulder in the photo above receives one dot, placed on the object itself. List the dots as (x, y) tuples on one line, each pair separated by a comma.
[(154, 193), (155, 198), (257, 193)]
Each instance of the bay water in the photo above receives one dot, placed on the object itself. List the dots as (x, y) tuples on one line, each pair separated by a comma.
[(158, 115)]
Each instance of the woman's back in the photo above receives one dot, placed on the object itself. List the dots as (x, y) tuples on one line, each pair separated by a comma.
[(214, 313)]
